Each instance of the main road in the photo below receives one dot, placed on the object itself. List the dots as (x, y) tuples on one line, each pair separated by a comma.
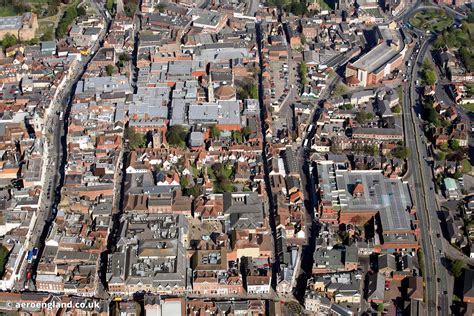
[(422, 188)]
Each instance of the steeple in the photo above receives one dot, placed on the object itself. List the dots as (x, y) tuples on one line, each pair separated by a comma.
[(210, 90)]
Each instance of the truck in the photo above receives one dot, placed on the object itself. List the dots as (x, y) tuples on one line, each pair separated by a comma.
[(29, 256)]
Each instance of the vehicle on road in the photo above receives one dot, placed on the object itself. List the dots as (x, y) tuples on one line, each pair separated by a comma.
[(29, 256)]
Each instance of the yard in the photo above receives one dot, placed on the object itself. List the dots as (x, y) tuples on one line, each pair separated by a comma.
[(469, 107), (432, 20)]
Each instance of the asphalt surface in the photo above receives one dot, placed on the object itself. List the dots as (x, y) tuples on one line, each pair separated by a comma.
[(422, 188)]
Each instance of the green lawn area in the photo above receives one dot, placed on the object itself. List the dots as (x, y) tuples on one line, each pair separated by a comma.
[(7, 11), (469, 107), (431, 19), (324, 4)]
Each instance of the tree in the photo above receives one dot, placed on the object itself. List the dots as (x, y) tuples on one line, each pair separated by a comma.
[(454, 144), (176, 136), (222, 175), (457, 268), (363, 116), (109, 69), (237, 137), (161, 6), (124, 57), (248, 90), (303, 39), (48, 35), (401, 152), (397, 109), (130, 9), (303, 73), (68, 17), (81, 11), (109, 4), (441, 156), (9, 40), (428, 74), (380, 307), (135, 140), (214, 132), (246, 131)]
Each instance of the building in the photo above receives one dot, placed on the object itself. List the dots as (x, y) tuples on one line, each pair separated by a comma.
[(372, 67), (23, 27), (355, 196)]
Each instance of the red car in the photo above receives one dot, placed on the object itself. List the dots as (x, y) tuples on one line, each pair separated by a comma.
[(28, 275)]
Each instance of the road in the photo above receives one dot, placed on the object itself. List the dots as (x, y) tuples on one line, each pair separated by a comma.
[(265, 146), (55, 173), (422, 188)]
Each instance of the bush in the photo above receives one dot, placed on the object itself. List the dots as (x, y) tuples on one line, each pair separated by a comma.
[(9, 40)]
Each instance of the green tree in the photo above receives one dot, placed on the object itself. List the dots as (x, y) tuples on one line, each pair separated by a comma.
[(246, 131), (124, 57), (176, 136), (401, 152), (441, 156), (237, 137), (248, 90), (457, 268), (363, 116), (109, 4), (68, 17), (9, 40), (161, 7), (109, 69), (135, 140), (428, 74), (303, 73), (454, 144), (214, 132), (380, 307), (303, 39), (397, 109), (81, 11)]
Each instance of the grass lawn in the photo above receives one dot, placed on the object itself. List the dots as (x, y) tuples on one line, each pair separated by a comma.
[(324, 4), (469, 107), (431, 19)]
